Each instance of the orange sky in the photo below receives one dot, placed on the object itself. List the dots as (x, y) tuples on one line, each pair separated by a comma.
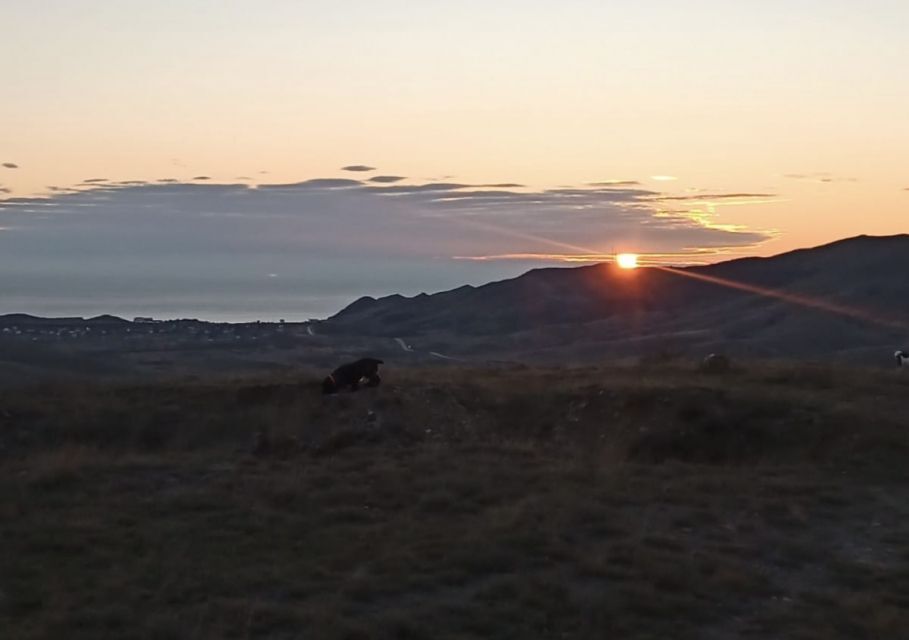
[(726, 97)]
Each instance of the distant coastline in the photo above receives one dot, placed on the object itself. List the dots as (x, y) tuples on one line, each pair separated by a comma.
[(29, 319)]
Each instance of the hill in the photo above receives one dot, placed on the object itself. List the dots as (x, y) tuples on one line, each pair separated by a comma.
[(453, 503), (27, 320), (848, 299)]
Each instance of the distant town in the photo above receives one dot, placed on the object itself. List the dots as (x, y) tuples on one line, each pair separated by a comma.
[(147, 332)]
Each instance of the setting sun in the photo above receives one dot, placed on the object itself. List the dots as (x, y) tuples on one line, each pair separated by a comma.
[(627, 260)]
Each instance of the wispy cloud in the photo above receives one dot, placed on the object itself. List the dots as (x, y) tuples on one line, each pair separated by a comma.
[(386, 179), (202, 178), (707, 197), (10, 165), (314, 184), (614, 183), (690, 257), (358, 167), (94, 180), (421, 188), (822, 177)]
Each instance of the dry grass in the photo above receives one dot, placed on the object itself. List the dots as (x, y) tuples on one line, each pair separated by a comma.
[(581, 503)]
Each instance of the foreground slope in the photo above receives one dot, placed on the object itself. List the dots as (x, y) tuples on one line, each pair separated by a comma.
[(568, 503)]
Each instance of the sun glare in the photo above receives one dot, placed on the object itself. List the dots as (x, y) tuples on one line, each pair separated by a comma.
[(627, 260)]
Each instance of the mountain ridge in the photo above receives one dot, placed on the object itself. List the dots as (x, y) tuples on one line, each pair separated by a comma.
[(845, 295)]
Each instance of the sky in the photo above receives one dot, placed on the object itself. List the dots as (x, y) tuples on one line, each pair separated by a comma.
[(281, 158)]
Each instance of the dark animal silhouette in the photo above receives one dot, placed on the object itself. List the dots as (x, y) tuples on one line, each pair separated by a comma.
[(715, 363), (351, 374)]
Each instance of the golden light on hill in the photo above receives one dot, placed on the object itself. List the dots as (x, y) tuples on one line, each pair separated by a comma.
[(627, 260)]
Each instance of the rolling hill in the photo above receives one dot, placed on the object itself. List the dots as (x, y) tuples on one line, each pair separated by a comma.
[(848, 299)]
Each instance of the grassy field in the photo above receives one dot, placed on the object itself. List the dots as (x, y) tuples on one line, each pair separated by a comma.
[(769, 502)]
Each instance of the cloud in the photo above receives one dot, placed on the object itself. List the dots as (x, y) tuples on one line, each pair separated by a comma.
[(504, 185), (386, 179), (719, 196), (822, 177), (574, 192), (358, 167), (353, 213), (420, 188), (167, 180), (690, 256), (327, 235), (94, 180), (10, 165), (615, 183), (4, 190), (315, 183), (202, 178)]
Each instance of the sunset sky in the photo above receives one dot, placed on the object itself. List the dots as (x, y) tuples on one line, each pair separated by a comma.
[(278, 157)]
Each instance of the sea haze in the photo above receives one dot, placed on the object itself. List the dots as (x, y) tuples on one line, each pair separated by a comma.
[(294, 293)]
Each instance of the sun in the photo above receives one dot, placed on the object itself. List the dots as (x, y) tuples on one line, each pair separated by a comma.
[(627, 260)]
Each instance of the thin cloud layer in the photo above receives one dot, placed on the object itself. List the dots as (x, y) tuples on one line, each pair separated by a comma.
[(706, 197), (330, 235), (358, 168), (646, 259), (10, 165), (387, 179), (822, 177), (615, 183), (315, 184), (434, 218)]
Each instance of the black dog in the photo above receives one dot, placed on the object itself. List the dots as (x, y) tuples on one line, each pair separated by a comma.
[(350, 375)]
